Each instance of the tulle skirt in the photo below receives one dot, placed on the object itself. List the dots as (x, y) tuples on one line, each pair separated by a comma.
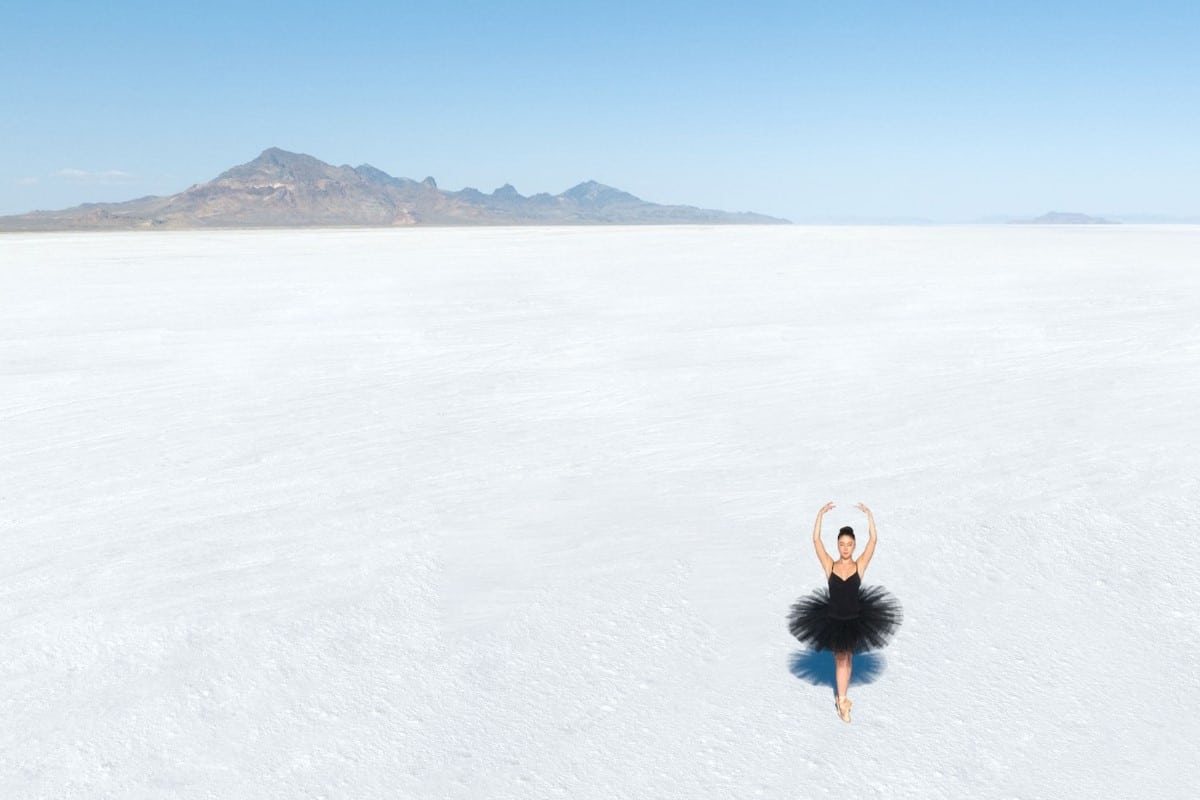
[(879, 615)]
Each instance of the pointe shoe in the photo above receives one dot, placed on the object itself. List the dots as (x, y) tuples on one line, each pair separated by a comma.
[(843, 708)]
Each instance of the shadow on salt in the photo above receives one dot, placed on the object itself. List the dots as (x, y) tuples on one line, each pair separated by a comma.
[(817, 667)]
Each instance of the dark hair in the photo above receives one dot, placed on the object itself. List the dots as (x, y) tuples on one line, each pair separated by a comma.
[(846, 531)]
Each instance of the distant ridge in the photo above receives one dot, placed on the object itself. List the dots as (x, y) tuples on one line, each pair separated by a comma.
[(280, 189), (1064, 218)]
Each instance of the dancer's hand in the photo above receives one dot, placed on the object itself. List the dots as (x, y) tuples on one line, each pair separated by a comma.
[(865, 510), (825, 508)]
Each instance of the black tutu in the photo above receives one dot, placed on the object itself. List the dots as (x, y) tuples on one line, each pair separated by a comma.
[(879, 615)]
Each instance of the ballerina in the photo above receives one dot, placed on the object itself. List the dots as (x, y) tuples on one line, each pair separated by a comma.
[(845, 618)]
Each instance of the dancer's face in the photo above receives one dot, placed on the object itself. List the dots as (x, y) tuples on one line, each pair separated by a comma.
[(845, 546)]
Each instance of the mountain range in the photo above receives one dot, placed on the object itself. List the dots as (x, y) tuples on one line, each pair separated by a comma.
[(1065, 218), (284, 189)]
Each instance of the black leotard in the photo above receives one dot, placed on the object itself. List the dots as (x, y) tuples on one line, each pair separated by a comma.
[(843, 595)]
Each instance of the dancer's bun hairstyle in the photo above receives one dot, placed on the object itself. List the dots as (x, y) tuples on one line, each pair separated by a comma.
[(846, 531)]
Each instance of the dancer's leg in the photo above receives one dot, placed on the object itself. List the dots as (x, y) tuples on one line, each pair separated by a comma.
[(842, 659)]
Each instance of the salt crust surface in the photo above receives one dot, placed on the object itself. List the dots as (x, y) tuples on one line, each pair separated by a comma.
[(518, 513)]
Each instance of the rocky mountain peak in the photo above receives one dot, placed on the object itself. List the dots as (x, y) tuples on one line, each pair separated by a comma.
[(507, 192), (281, 165), (593, 193)]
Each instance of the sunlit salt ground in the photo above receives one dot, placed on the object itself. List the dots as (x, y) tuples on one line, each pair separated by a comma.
[(518, 513)]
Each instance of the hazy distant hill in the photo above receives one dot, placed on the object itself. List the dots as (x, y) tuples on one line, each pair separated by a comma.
[(282, 189), (1065, 218)]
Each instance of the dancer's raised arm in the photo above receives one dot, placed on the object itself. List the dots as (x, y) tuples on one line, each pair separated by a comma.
[(826, 561), (865, 558)]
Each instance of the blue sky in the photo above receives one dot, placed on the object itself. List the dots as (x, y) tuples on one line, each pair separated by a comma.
[(943, 110)]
